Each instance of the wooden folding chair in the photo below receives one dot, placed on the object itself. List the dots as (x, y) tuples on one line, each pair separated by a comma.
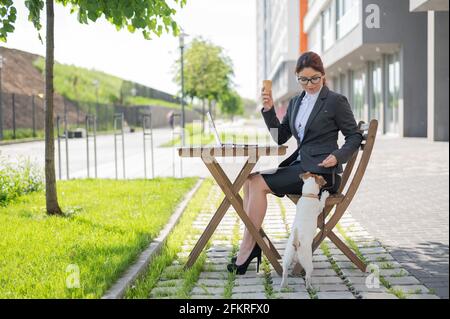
[(340, 200)]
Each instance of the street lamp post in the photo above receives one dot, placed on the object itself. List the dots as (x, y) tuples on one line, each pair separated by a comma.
[(183, 115), (96, 83)]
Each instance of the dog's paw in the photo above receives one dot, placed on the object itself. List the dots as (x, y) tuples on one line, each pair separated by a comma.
[(325, 195)]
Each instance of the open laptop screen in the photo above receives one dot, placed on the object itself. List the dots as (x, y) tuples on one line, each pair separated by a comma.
[(213, 126)]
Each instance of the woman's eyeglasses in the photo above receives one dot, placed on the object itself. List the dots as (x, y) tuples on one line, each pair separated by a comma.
[(304, 80)]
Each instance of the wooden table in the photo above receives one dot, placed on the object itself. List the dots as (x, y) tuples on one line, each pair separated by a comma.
[(231, 190)]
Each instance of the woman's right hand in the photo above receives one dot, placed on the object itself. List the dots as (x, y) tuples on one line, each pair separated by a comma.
[(267, 100)]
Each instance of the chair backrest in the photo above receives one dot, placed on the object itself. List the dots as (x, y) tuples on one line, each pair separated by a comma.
[(356, 166)]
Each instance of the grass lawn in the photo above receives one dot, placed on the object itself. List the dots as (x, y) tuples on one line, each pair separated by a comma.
[(108, 224), (201, 202)]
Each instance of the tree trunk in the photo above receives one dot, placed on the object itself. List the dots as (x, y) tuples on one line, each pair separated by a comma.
[(51, 198)]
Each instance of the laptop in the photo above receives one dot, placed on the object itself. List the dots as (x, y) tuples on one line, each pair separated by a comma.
[(217, 136)]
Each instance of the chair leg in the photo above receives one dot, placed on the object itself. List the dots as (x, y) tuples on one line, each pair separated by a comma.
[(271, 246), (347, 251)]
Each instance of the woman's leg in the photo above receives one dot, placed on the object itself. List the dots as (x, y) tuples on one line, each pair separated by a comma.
[(256, 210)]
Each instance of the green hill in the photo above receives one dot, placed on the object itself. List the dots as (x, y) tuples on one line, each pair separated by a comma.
[(78, 84)]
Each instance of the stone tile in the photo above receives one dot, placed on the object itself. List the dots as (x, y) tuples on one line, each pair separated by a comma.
[(217, 261), (379, 257), (214, 275), (322, 265), (408, 280), (326, 280), (248, 289), (202, 290), (354, 273), (421, 296), (364, 288), (242, 281), (294, 281), (205, 297), (335, 295), (412, 289), (323, 273), (377, 295), (292, 295), (249, 296), (372, 250), (330, 287), (211, 282)]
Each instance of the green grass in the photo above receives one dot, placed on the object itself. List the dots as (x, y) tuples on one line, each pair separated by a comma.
[(168, 254), (145, 101), (22, 133), (108, 91), (107, 224), (229, 285), (64, 76)]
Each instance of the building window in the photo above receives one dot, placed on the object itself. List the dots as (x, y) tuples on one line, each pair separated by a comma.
[(359, 85), (329, 31), (377, 92), (347, 16), (314, 38), (392, 109)]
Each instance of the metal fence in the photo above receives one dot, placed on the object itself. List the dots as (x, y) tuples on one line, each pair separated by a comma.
[(23, 115)]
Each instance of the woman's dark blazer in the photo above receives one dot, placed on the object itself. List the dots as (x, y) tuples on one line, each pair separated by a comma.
[(331, 114)]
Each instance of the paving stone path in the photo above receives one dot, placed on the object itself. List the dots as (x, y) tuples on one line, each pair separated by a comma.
[(334, 276)]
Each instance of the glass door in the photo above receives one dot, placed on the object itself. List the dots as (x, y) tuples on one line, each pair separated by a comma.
[(377, 92), (359, 84), (392, 108)]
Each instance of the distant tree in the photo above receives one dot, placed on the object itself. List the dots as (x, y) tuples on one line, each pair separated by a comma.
[(231, 104), (149, 16), (208, 72)]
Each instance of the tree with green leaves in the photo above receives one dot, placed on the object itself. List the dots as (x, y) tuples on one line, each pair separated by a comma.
[(151, 17), (208, 72), (231, 104)]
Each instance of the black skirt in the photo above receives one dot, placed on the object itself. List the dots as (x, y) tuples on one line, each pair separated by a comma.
[(286, 180)]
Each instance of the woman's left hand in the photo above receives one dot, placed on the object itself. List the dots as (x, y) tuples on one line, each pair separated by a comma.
[(330, 161)]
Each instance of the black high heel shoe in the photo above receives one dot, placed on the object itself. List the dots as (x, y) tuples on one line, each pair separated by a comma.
[(242, 269), (233, 259)]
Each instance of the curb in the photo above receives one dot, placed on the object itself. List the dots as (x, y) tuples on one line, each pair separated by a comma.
[(118, 289)]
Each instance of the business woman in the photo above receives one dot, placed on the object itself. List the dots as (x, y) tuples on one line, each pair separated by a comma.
[(314, 118)]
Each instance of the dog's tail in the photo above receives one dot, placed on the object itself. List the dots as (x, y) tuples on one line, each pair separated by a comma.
[(296, 241)]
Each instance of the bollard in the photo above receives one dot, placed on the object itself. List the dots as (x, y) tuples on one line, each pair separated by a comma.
[(33, 106), (91, 124), (59, 145), (180, 134), (14, 115), (119, 117), (147, 119), (66, 135)]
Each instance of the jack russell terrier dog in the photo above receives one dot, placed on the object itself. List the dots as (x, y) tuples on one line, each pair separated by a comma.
[(299, 245)]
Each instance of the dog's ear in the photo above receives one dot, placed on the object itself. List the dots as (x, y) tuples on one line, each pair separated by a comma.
[(305, 175), (320, 180)]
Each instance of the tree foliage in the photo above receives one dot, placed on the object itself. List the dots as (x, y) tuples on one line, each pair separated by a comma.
[(148, 16), (208, 71)]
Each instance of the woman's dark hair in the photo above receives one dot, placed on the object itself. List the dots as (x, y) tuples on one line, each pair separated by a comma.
[(310, 60)]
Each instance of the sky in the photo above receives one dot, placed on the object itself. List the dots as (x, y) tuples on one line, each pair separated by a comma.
[(230, 24)]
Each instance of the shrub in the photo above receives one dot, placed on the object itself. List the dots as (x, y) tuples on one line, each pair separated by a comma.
[(16, 179)]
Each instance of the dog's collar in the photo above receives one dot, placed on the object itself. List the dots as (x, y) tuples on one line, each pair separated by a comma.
[(311, 196)]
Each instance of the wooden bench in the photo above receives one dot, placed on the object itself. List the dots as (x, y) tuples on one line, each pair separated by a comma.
[(353, 173)]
